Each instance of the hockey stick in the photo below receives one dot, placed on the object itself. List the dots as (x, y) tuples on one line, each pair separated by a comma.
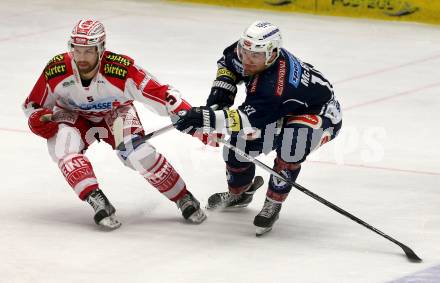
[(408, 252), (118, 133)]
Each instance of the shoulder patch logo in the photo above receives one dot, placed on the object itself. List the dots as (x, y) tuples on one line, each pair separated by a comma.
[(55, 70), (56, 59), (295, 71), (115, 71), (112, 57)]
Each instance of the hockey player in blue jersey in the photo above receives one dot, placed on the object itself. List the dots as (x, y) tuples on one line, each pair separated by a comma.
[(290, 107)]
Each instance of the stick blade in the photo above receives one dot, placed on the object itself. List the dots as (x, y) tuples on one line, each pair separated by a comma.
[(410, 254)]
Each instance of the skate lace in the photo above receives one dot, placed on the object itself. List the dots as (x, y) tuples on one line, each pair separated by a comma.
[(185, 202), (97, 202), (228, 197), (269, 209)]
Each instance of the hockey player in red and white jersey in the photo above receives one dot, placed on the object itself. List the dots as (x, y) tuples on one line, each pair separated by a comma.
[(76, 101)]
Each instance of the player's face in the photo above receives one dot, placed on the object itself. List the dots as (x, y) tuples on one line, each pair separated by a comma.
[(253, 62), (86, 58)]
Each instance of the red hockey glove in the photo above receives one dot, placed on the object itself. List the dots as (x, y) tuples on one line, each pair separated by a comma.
[(43, 126)]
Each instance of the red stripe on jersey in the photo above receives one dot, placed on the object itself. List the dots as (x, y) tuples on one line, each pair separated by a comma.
[(39, 92), (153, 98), (311, 120), (155, 91), (43, 99), (184, 105)]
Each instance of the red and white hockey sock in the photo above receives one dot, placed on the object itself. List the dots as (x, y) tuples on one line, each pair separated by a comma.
[(78, 172), (165, 179)]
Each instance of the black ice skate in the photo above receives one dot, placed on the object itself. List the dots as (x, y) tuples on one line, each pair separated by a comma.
[(190, 208), (104, 211), (228, 200), (267, 217)]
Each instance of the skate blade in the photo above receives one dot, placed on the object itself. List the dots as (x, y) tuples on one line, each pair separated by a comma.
[(260, 231), (257, 183), (109, 223), (197, 217), (219, 207)]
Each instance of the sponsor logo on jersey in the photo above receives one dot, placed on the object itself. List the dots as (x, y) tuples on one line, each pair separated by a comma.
[(112, 57), (115, 71), (102, 104), (295, 71), (55, 70), (281, 77), (96, 106), (223, 72), (68, 83), (55, 59), (254, 83)]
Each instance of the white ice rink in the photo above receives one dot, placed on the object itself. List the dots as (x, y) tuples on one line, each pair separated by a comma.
[(384, 167)]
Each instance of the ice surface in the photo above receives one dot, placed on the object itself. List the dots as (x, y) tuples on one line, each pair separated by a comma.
[(384, 167)]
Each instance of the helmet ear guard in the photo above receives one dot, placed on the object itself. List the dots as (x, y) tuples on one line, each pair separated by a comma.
[(262, 37)]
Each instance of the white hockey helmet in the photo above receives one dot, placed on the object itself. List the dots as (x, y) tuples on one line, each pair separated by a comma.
[(88, 33), (262, 37)]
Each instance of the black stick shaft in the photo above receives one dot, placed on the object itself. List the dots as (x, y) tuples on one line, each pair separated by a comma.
[(408, 252), (148, 136), (156, 133)]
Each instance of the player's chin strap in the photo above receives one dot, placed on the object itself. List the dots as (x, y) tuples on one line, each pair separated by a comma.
[(118, 132)]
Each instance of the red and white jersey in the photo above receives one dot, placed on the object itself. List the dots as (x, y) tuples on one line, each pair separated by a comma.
[(118, 82)]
